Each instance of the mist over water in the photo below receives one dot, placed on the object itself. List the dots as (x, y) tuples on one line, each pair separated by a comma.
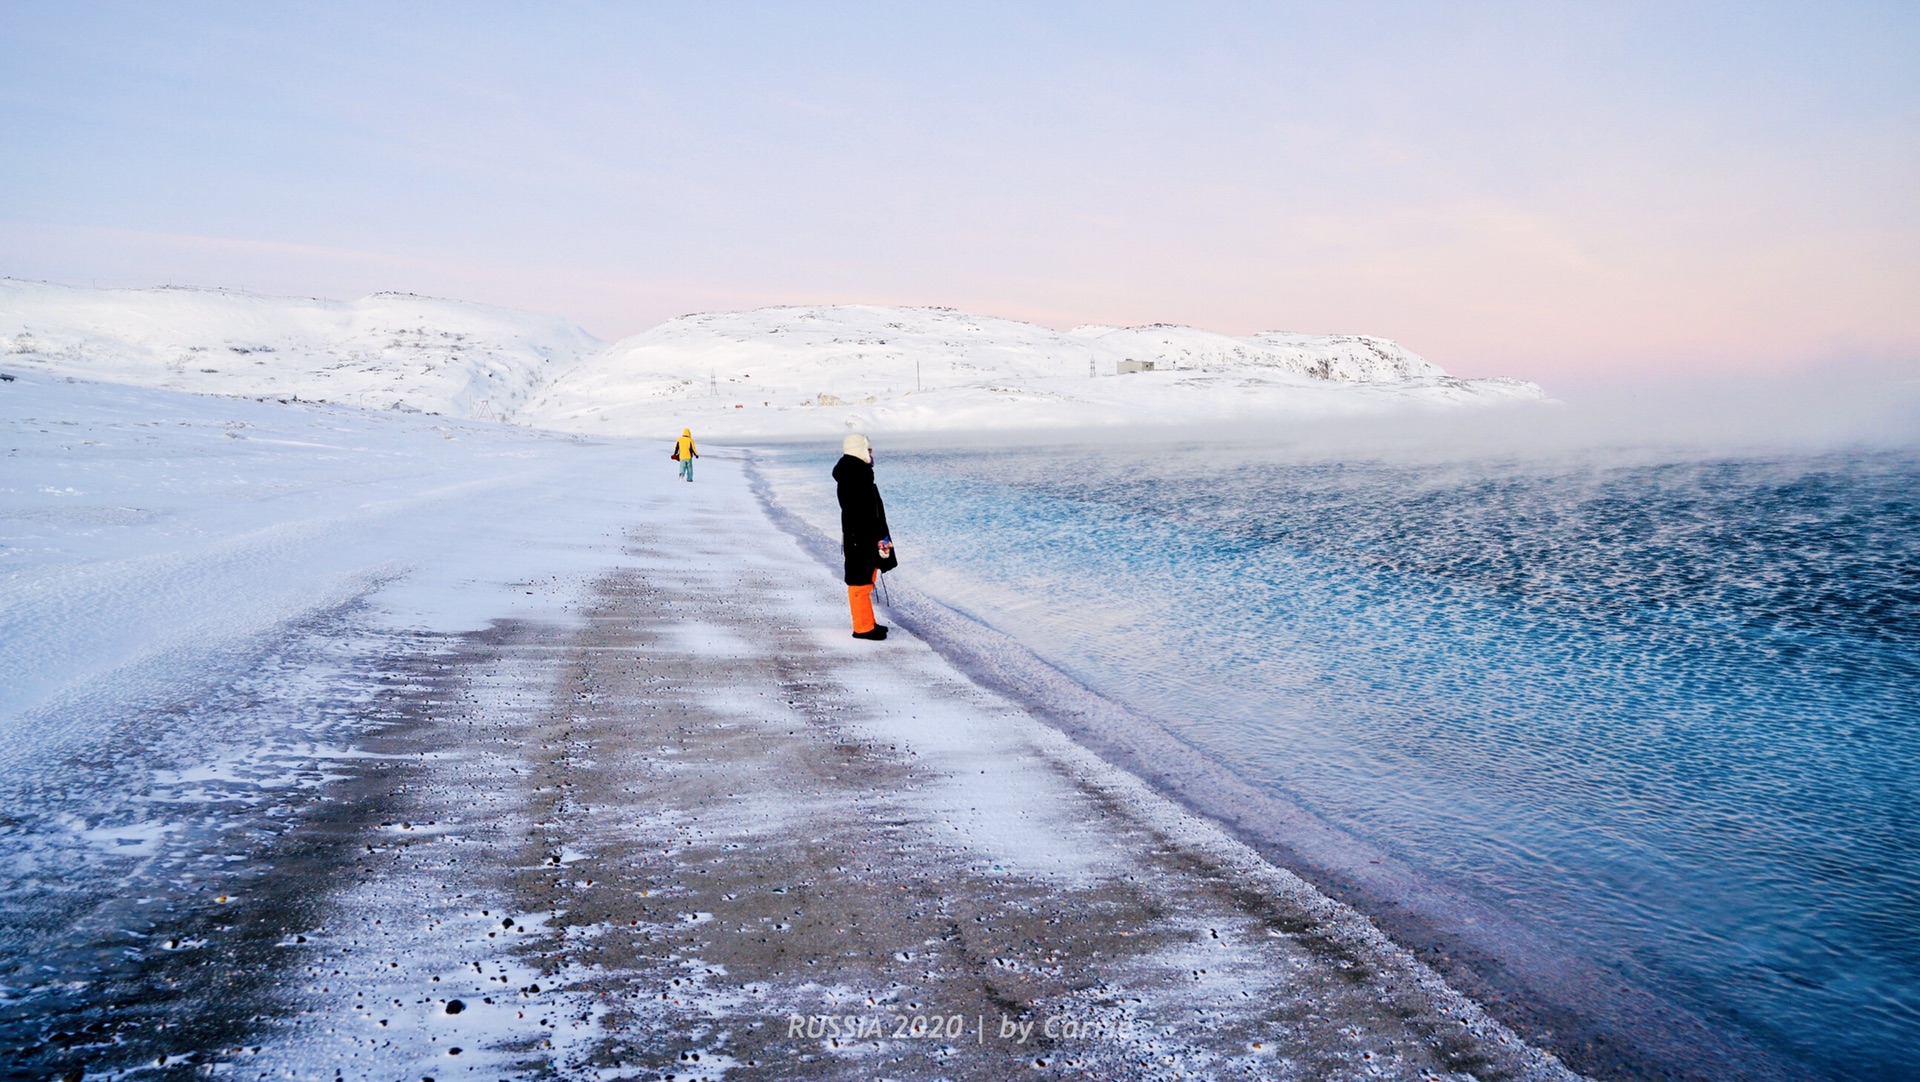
[(1653, 702)]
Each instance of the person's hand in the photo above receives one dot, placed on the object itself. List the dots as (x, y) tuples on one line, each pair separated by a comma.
[(886, 547)]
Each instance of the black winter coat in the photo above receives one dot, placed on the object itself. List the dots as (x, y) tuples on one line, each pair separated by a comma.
[(863, 521)]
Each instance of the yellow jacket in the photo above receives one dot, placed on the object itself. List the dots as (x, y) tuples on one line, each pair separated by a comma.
[(684, 449)]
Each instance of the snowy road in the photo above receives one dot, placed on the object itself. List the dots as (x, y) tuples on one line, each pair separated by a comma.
[(420, 750)]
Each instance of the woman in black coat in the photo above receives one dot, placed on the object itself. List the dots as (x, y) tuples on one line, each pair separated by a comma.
[(865, 540)]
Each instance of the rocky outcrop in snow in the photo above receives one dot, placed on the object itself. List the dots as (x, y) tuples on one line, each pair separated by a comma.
[(1352, 358)]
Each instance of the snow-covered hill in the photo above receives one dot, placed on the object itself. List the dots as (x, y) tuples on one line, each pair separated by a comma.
[(1345, 357), (771, 372), (387, 351), (812, 370)]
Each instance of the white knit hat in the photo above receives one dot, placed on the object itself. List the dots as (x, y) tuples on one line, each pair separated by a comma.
[(856, 445)]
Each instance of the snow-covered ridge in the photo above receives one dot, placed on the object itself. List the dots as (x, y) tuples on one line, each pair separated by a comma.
[(771, 372), (809, 370), (1351, 358), (387, 351)]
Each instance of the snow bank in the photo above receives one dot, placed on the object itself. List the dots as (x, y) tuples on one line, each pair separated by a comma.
[(150, 540)]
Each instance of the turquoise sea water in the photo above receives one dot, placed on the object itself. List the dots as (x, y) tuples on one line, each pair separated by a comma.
[(1663, 715)]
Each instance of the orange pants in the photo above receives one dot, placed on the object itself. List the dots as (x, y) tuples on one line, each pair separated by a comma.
[(860, 600)]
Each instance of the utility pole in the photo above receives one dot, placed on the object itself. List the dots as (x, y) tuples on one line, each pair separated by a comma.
[(713, 384), (916, 376)]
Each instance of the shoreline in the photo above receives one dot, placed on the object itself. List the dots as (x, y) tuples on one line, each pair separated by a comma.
[(1583, 1012)]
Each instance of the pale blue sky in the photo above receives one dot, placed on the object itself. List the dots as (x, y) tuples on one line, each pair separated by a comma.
[(1540, 189)]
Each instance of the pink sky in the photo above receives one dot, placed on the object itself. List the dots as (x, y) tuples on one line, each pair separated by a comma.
[(1565, 193)]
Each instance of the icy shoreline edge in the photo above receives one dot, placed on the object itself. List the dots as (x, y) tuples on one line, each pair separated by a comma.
[(1266, 836)]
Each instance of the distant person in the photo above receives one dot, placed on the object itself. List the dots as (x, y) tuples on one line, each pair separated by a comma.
[(684, 453), (864, 538)]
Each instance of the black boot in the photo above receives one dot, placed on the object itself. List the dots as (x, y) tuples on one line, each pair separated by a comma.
[(879, 632)]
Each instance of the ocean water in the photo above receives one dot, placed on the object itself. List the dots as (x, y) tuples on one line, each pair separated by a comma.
[(1661, 714)]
